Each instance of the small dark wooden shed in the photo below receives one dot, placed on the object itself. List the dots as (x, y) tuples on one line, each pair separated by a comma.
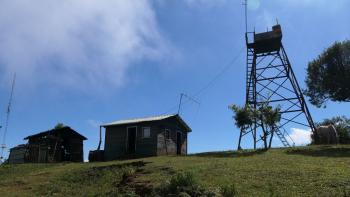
[(55, 145), (143, 137)]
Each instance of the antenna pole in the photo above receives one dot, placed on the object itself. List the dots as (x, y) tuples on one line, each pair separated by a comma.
[(246, 14), (3, 145), (179, 109), (189, 98)]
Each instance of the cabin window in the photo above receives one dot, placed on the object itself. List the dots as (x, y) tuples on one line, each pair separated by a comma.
[(146, 132), (167, 134)]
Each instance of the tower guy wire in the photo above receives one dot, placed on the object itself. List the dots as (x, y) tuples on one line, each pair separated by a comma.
[(211, 82)]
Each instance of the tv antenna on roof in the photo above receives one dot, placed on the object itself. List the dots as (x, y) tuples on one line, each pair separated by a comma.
[(8, 111), (189, 98)]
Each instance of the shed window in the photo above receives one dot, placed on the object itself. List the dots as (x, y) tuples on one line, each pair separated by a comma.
[(167, 134), (146, 132)]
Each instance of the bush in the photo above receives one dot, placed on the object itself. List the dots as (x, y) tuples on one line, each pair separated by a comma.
[(185, 179), (184, 184), (229, 191)]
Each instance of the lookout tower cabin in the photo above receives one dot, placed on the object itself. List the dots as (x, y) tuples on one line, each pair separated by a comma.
[(55, 145), (143, 137), (265, 42), (270, 80)]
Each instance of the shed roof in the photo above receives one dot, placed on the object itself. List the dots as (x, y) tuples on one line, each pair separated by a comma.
[(65, 130), (148, 119)]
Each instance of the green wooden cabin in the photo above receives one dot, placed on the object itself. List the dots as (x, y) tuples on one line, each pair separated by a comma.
[(144, 137)]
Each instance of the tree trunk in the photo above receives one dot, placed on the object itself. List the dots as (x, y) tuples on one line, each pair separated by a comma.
[(264, 137), (272, 132)]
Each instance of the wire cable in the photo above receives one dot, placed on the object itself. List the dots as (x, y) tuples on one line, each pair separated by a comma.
[(212, 81)]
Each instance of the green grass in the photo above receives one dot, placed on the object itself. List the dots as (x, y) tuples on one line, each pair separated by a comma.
[(304, 171)]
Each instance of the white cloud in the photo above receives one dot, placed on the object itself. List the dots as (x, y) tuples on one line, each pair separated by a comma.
[(300, 136), (79, 43)]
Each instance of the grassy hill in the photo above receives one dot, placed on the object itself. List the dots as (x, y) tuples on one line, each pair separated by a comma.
[(304, 171)]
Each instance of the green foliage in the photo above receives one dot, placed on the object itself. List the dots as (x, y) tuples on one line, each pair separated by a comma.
[(185, 179), (185, 184), (265, 114), (269, 115), (301, 171), (59, 125), (328, 76), (341, 124), (99, 180), (244, 116), (182, 184), (229, 191)]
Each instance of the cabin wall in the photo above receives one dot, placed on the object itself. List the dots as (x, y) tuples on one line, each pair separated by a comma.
[(147, 146), (39, 151), (169, 146), (44, 150), (76, 150), (17, 155), (116, 141)]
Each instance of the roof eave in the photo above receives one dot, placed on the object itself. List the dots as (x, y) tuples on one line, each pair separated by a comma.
[(184, 123)]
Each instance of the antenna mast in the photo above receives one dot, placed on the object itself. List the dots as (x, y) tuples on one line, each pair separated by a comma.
[(8, 111), (189, 98), (246, 14)]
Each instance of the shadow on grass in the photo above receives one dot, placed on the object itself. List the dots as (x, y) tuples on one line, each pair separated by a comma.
[(323, 151), (242, 153)]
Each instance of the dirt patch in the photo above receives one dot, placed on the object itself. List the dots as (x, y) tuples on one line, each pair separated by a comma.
[(97, 171), (168, 170), (16, 183), (128, 182), (136, 164), (40, 173)]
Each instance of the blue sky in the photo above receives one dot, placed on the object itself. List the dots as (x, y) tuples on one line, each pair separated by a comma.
[(84, 63)]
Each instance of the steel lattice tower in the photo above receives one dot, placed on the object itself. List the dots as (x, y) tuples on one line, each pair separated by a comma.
[(270, 79)]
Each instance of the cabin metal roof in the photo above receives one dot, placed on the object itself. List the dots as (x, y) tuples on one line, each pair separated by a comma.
[(65, 129), (148, 119)]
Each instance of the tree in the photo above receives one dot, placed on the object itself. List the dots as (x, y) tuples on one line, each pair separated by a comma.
[(269, 118), (59, 126), (265, 116), (243, 116), (328, 76), (341, 124)]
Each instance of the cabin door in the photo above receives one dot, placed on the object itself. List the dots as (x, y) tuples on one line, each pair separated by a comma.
[(42, 157), (131, 140), (178, 143)]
